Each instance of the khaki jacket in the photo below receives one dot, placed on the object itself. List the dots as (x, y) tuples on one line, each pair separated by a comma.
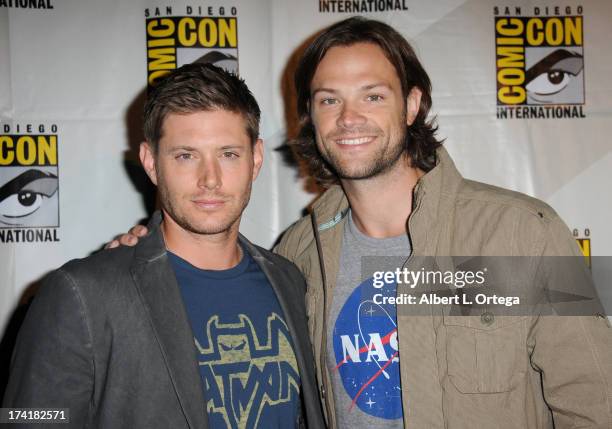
[(470, 372)]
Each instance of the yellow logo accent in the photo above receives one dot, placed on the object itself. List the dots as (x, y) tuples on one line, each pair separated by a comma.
[(244, 372), (585, 247)]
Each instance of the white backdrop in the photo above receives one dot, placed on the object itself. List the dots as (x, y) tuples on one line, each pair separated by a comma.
[(77, 70)]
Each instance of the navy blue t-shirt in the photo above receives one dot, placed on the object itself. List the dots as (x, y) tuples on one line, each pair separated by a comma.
[(243, 347)]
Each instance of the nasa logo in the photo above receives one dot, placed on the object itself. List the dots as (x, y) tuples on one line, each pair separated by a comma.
[(366, 352)]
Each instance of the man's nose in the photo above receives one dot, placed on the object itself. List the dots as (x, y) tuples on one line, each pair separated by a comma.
[(210, 175), (350, 116)]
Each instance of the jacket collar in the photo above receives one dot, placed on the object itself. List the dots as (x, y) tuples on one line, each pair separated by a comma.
[(331, 207), (159, 291)]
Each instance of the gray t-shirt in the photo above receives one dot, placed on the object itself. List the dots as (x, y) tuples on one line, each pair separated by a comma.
[(362, 336)]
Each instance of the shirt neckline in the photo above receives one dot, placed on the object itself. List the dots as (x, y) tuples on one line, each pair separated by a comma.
[(235, 271)]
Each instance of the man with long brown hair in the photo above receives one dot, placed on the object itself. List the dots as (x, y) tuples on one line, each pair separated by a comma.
[(393, 191)]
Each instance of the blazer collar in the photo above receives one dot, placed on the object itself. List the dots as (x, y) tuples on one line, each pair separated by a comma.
[(157, 286)]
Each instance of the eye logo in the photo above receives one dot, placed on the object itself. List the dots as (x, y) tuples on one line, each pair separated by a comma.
[(539, 66), (25, 194), (28, 181), (556, 77)]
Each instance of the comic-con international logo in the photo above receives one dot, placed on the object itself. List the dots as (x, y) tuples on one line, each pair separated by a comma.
[(539, 62), (200, 34), (29, 201)]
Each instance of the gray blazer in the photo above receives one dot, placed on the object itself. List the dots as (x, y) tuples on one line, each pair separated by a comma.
[(108, 337)]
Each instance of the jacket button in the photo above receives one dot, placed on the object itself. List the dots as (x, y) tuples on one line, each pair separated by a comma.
[(322, 390), (487, 318)]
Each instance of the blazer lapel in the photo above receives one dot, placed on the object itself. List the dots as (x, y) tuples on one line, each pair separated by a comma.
[(287, 297), (290, 301), (156, 282), (290, 293)]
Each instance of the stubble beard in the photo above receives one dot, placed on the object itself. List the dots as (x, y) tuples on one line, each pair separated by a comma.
[(172, 207), (380, 162)]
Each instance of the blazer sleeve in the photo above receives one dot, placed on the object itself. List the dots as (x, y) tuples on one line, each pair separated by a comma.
[(52, 364)]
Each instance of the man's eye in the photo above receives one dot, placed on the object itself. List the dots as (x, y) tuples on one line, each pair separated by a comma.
[(21, 204), (184, 156), (230, 155), (329, 101), (549, 82), (375, 97)]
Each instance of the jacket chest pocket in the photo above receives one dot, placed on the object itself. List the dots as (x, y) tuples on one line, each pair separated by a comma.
[(485, 354)]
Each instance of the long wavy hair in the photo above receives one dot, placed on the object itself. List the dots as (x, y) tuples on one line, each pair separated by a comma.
[(420, 143)]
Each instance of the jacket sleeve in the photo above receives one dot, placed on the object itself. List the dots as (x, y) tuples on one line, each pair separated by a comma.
[(52, 364), (573, 352)]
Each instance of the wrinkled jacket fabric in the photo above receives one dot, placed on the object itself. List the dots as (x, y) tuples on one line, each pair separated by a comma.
[(460, 372)]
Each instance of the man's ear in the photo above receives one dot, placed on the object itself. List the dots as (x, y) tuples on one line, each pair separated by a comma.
[(258, 151), (413, 103), (147, 159)]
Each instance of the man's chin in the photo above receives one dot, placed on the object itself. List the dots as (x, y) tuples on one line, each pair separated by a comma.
[(204, 227), (356, 174), (209, 228), (364, 172), (355, 168)]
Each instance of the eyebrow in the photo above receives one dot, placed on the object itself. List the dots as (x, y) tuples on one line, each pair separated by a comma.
[(178, 148), (331, 91), (18, 183), (362, 88), (193, 149), (376, 85)]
